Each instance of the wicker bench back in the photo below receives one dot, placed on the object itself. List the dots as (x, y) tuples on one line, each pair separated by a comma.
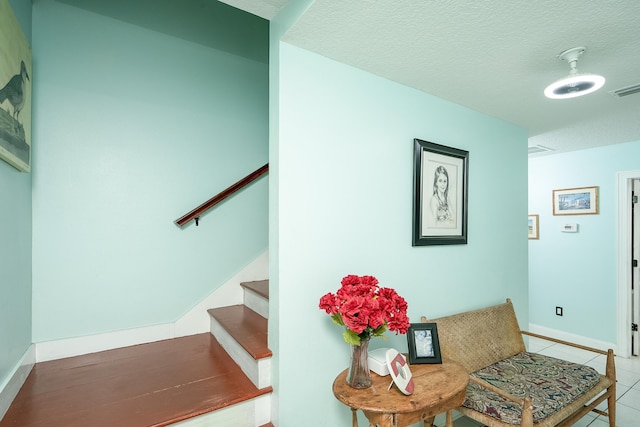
[(481, 337)]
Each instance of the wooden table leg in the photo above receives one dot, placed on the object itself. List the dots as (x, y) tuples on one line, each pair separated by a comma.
[(354, 418), (429, 422), (449, 419)]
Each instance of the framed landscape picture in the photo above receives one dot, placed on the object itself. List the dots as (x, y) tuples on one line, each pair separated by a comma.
[(575, 201), (440, 194)]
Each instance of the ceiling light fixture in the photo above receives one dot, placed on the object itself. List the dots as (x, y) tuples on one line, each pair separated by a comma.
[(575, 84)]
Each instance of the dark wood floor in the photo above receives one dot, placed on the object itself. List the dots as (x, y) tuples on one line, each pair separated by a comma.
[(152, 384)]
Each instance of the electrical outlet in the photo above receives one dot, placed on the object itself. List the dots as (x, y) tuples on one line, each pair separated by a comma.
[(558, 311)]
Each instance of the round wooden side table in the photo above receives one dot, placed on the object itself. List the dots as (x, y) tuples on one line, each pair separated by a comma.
[(438, 388)]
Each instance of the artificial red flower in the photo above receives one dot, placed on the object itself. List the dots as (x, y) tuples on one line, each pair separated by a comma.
[(328, 303), (365, 309)]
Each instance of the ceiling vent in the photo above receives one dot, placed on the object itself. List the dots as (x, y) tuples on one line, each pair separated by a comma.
[(536, 149), (626, 91)]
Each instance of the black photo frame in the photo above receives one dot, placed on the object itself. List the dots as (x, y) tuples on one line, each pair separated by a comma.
[(423, 343), (440, 194)]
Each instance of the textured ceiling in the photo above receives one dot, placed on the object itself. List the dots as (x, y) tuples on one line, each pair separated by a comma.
[(494, 57)]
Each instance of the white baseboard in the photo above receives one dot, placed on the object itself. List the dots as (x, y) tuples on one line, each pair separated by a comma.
[(10, 388), (195, 321), (574, 338), (76, 346)]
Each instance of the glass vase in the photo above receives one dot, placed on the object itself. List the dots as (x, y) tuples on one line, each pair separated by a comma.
[(359, 375)]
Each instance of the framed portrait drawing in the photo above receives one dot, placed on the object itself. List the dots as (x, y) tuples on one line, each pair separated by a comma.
[(440, 195), (533, 227), (15, 92), (422, 340), (575, 201)]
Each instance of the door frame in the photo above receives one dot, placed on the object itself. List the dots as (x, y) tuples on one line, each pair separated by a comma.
[(625, 257)]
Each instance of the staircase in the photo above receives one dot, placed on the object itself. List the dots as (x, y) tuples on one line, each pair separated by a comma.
[(220, 378), (242, 331)]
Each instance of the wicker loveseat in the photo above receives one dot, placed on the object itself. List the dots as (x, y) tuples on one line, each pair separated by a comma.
[(509, 386)]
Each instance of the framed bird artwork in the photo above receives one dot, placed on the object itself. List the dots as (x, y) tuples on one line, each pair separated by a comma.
[(15, 91)]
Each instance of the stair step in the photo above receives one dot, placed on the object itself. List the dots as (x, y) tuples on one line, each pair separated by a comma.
[(267, 425), (256, 296), (260, 287), (245, 326), (153, 384), (243, 334), (249, 413)]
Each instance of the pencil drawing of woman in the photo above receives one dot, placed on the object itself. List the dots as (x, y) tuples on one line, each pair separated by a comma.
[(442, 209)]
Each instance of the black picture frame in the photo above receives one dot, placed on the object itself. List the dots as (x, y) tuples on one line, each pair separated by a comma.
[(423, 343), (439, 213)]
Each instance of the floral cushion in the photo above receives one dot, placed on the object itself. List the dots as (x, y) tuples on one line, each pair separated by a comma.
[(552, 383)]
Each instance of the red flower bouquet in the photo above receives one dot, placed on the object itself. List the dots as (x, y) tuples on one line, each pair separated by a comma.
[(365, 309)]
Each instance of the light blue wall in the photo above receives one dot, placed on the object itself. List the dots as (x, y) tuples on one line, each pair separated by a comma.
[(344, 194), (15, 247), (277, 28), (133, 129), (577, 271), (22, 11)]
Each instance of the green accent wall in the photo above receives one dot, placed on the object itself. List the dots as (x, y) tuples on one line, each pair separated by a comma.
[(15, 247), (133, 129), (344, 202)]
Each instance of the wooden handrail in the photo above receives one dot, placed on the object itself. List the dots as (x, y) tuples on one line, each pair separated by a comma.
[(197, 212)]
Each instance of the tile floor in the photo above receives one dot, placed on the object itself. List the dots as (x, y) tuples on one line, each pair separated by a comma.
[(627, 391)]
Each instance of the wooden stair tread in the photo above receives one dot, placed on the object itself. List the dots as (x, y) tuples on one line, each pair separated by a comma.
[(246, 326), (260, 287), (153, 384)]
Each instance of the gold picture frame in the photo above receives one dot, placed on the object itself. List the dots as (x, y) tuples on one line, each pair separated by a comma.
[(575, 201)]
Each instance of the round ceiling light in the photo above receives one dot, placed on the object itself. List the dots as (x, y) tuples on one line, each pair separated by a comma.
[(575, 84)]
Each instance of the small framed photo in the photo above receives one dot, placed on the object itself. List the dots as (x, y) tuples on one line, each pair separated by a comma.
[(575, 201), (440, 182), (534, 234), (424, 347)]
